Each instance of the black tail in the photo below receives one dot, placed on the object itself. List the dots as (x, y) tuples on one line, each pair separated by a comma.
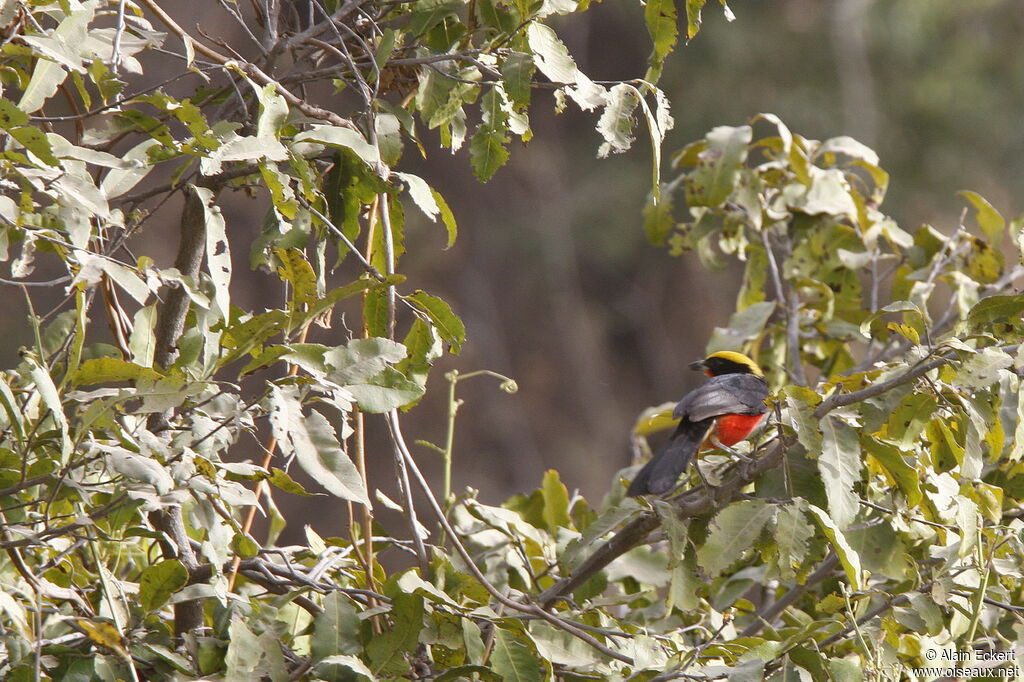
[(661, 473)]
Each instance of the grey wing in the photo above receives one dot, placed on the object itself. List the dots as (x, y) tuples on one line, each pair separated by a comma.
[(727, 394)]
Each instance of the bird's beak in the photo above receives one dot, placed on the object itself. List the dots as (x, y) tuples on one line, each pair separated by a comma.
[(698, 366)]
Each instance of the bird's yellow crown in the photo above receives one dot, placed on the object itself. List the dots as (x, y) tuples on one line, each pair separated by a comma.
[(738, 359)]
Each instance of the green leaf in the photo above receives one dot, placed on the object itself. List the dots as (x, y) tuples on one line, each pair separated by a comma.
[(793, 534), (64, 45), (93, 267), (487, 148), (386, 391), (561, 648), (361, 359), (119, 181), (984, 264), (218, 256), (840, 467), (447, 324), (849, 147), (336, 629), (142, 341), (997, 314), (811, 661), (829, 194), (423, 346), (693, 19), (159, 582), (982, 369), (426, 14), (847, 556), (990, 221), (801, 402), (297, 271), (909, 418), (311, 439), (556, 502), (845, 670), (513, 659), (387, 652), (36, 142), (346, 138), (662, 25), (438, 97), (244, 653), (906, 477), (244, 546), (658, 218), (101, 370), (733, 532), (659, 122), (517, 69), (279, 479), (684, 583), (10, 115), (375, 312), (323, 668), (447, 217), (140, 468), (745, 325), (881, 550), (421, 193), (718, 166), (487, 152), (316, 308), (466, 672), (176, 660), (50, 397), (248, 335)]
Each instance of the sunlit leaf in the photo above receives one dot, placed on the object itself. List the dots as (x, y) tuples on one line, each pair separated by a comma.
[(448, 325), (733, 532), (159, 582), (513, 659), (840, 466), (312, 440), (848, 557), (990, 221)]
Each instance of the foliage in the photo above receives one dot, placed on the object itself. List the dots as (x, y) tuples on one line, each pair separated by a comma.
[(881, 502)]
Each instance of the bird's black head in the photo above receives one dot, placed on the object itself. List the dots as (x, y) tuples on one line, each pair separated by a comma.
[(727, 362)]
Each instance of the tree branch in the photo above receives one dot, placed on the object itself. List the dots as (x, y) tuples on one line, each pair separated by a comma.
[(191, 247), (765, 617), (693, 503), (171, 313)]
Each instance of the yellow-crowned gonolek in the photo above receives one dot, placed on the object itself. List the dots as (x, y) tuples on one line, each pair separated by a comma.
[(724, 411)]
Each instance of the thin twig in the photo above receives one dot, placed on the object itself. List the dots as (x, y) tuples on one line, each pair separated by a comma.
[(372, 271), (402, 454), (115, 57), (248, 68)]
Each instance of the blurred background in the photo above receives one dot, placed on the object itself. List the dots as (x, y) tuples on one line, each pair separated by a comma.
[(552, 273)]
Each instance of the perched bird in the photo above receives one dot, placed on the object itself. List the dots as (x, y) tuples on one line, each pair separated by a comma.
[(722, 412)]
